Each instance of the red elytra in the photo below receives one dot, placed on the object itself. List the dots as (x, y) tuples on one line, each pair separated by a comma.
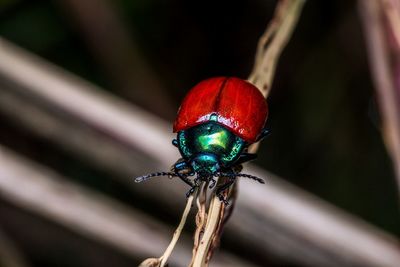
[(238, 104)]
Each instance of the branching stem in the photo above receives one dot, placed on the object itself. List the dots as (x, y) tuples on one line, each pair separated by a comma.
[(269, 49)]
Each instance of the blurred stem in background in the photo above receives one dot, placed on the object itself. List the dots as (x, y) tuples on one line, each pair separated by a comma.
[(10, 255), (100, 26), (381, 21)]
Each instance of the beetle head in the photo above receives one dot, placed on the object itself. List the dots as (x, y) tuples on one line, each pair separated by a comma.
[(205, 164)]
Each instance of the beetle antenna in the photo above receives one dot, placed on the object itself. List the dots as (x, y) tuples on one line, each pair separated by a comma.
[(261, 181), (148, 176)]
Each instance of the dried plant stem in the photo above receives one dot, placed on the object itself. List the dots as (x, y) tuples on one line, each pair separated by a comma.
[(272, 42), (161, 262), (214, 212), (178, 230), (225, 214), (269, 48), (201, 219)]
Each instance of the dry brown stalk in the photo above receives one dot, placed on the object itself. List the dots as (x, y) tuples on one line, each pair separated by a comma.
[(272, 42), (201, 218), (224, 216), (162, 261)]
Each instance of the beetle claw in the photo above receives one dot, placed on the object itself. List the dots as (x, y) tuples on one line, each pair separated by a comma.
[(212, 183), (223, 199), (191, 190), (175, 143)]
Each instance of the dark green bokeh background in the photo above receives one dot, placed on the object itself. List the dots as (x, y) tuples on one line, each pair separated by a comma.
[(325, 126)]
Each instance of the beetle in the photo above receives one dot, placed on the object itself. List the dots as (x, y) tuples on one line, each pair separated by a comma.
[(217, 121)]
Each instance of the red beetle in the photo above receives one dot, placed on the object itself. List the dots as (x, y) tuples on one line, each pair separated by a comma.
[(217, 121)]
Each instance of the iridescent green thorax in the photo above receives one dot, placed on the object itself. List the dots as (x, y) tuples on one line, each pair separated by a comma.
[(210, 146)]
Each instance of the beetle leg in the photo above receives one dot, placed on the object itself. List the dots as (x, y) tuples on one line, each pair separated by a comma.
[(237, 168), (191, 190), (244, 157), (264, 133), (212, 183), (197, 182), (175, 142), (222, 188), (180, 165), (183, 170), (185, 179)]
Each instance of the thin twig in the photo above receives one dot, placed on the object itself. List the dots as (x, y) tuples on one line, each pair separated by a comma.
[(178, 231), (160, 262), (201, 219), (272, 42), (214, 212), (225, 214)]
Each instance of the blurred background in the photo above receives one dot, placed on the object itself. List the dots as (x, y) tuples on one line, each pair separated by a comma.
[(144, 56)]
